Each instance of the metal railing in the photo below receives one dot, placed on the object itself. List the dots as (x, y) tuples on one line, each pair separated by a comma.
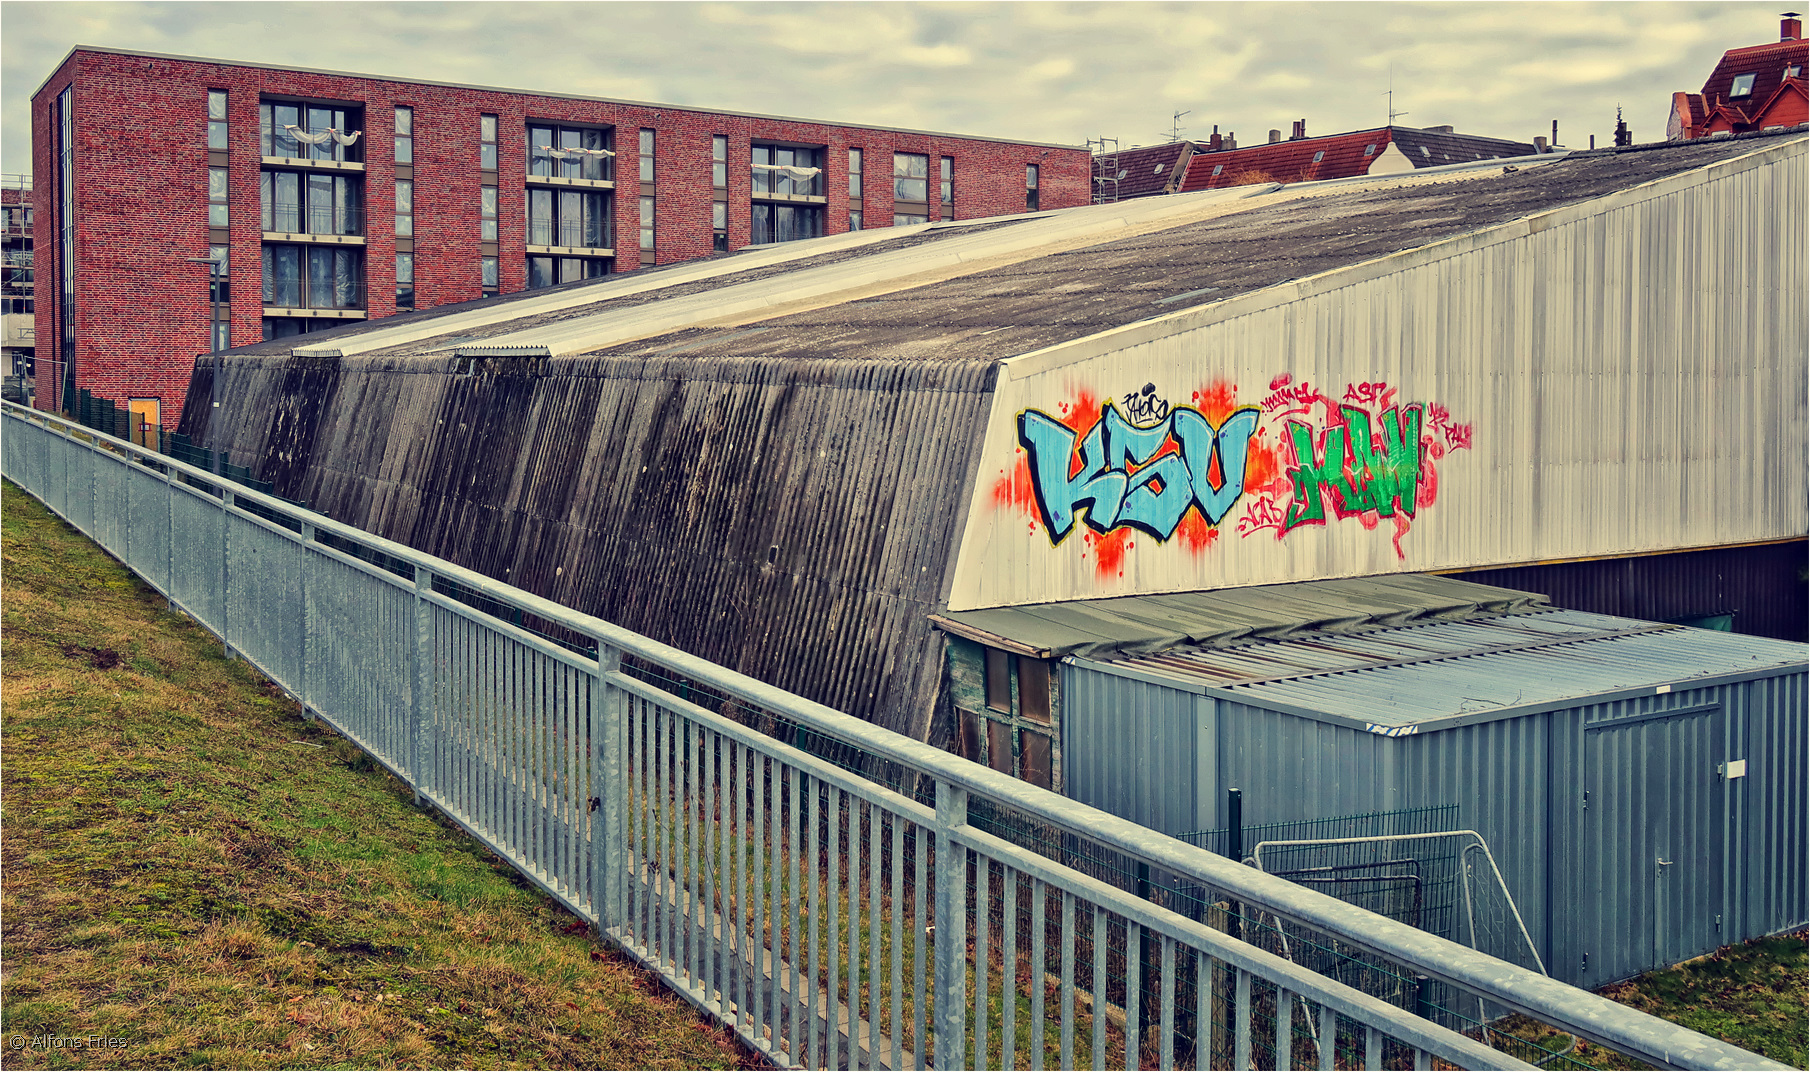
[(837, 894)]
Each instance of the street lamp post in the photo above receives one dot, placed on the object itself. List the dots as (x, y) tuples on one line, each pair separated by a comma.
[(215, 273)]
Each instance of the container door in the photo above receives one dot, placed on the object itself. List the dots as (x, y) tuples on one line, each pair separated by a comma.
[(1655, 817)]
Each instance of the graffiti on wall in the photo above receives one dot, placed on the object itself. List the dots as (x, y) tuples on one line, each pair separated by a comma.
[(1137, 465)]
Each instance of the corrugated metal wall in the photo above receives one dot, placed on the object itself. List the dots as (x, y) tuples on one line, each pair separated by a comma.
[(1762, 586), (1632, 367), (1585, 878), (790, 519)]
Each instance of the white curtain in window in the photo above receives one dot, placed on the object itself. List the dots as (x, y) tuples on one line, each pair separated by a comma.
[(572, 150), (799, 173), (308, 137)]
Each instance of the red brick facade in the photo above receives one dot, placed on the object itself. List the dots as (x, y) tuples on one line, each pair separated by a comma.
[(141, 196)]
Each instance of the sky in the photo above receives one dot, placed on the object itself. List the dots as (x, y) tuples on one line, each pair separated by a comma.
[(1046, 72)]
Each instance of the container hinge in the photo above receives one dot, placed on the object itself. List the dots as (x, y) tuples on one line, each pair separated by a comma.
[(1586, 965), (1586, 800), (1718, 921)]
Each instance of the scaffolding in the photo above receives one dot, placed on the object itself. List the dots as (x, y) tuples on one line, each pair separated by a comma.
[(1107, 173)]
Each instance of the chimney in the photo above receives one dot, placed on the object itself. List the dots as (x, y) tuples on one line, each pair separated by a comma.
[(1555, 134), (1447, 129), (1275, 135), (1214, 142), (1300, 130), (1231, 139), (1539, 145), (1790, 29)]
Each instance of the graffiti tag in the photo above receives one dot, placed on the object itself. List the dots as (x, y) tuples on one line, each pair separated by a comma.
[(1145, 476)]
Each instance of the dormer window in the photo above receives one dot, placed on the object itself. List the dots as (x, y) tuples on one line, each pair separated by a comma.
[(1793, 71), (1743, 86)]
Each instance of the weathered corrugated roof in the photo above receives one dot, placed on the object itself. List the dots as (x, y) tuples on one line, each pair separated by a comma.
[(1429, 676), (1132, 624)]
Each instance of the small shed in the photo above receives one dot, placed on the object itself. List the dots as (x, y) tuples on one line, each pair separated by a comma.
[(1642, 785)]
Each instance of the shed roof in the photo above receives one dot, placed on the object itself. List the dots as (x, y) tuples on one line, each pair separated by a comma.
[(1133, 624), (1446, 673)]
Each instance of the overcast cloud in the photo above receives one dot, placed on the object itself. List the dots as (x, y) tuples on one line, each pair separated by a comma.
[(1051, 72)]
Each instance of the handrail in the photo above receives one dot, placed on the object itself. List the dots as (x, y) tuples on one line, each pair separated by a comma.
[(1561, 1005)]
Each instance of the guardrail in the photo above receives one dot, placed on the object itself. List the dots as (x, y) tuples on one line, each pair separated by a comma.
[(933, 914)]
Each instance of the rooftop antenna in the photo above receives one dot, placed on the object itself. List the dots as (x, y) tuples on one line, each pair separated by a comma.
[(1393, 114), (1175, 125)]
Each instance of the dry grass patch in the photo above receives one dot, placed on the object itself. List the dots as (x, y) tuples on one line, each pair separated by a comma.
[(191, 867)]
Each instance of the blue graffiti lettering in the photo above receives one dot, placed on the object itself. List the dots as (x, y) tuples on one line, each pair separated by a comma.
[(1129, 476)]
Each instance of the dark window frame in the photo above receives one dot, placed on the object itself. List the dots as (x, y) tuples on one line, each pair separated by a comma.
[(275, 142)]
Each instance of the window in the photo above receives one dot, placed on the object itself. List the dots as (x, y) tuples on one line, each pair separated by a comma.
[(1217, 168), (405, 208), (1743, 86), (219, 281), (575, 218), (217, 208), (281, 327), (854, 219), (854, 173), (486, 143), (405, 280), (786, 171), (719, 161), (1426, 152), (1369, 150), (305, 131), (314, 277), (647, 159), (1031, 179), (647, 223), (948, 181), (570, 152), (1319, 156), (910, 177), (999, 680), (547, 271), (487, 275), (295, 202), (216, 119), (223, 335), (1034, 689), (1793, 71), (487, 214), (405, 135), (783, 223), (719, 226), (906, 219)]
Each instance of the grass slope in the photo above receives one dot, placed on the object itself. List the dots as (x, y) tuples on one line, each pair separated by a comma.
[(193, 869)]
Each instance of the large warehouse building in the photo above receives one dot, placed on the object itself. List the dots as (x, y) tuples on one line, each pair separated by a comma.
[(1093, 495), (331, 197)]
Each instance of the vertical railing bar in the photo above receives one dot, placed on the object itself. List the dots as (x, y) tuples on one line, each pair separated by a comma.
[(1285, 1029), (1008, 971), (741, 911), (856, 818), (665, 895), (898, 937), (1422, 1060), (609, 762), (1204, 984), (776, 889), (833, 888), (1166, 1045), (950, 973), (1329, 1036), (685, 893), (1067, 1009), (1373, 1048), (1241, 1021), (800, 1028), (983, 869), (813, 988), (714, 845), (1134, 993), (650, 851), (1099, 980), (1039, 968), (920, 938), (726, 925), (876, 859), (758, 902)]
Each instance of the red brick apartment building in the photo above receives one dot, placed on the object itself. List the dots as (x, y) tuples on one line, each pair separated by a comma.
[(333, 197)]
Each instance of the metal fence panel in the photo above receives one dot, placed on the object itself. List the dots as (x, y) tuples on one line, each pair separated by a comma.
[(148, 532), (779, 863)]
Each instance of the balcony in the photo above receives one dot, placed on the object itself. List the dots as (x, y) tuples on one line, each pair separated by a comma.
[(570, 237), (342, 224)]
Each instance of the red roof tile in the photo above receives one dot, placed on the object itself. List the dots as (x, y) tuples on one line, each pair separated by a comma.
[(1339, 156)]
